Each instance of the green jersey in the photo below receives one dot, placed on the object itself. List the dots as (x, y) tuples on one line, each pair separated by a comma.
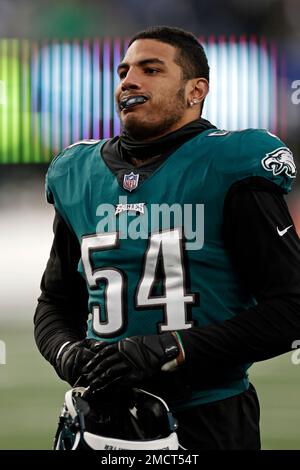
[(152, 253)]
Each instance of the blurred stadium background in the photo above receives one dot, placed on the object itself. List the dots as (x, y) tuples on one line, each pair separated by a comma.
[(56, 80)]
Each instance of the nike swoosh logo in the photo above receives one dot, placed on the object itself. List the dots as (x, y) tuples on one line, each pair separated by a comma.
[(282, 232)]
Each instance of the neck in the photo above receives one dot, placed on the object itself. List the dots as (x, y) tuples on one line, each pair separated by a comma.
[(138, 162), (190, 117), (141, 150)]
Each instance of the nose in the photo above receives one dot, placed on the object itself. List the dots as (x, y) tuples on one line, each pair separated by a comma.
[(131, 81)]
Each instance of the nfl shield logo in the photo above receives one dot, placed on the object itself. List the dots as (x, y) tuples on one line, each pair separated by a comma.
[(130, 181)]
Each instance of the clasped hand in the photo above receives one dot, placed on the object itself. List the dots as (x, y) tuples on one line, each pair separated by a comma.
[(130, 360)]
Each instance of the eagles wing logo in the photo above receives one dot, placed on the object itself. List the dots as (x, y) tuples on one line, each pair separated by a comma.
[(217, 133), (279, 161)]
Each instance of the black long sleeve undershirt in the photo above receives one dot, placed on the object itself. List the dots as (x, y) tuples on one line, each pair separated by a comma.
[(267, 264), (62, 310)]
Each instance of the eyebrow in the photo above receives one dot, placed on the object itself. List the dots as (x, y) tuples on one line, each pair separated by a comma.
[(151, 60)]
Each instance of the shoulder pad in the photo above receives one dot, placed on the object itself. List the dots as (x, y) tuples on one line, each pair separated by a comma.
[(273, 158), (61, 164), (257, 152)]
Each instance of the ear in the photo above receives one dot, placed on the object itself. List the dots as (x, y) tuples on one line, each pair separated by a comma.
[(199, 88)]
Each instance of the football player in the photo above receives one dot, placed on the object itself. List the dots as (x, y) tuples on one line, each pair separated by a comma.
[(175, 237)]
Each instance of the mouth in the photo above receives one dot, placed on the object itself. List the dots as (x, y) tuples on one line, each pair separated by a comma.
[(132, 101)]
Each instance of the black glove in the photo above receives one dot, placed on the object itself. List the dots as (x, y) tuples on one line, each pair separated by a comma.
[(73, 358), (131, 360)]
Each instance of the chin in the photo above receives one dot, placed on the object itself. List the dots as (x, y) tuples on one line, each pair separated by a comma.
[(138, 130)]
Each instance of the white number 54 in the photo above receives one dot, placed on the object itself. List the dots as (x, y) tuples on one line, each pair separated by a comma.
[(168, 247)]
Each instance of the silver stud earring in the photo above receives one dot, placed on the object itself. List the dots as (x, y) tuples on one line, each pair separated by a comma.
[(195, 101)]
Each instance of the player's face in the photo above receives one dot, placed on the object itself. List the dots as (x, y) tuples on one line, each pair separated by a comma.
[(149, 74)]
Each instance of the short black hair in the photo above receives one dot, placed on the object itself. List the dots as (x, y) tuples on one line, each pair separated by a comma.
[(190, 57)]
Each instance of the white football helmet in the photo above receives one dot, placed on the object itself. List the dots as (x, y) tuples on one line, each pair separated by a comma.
[(133, 419)]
